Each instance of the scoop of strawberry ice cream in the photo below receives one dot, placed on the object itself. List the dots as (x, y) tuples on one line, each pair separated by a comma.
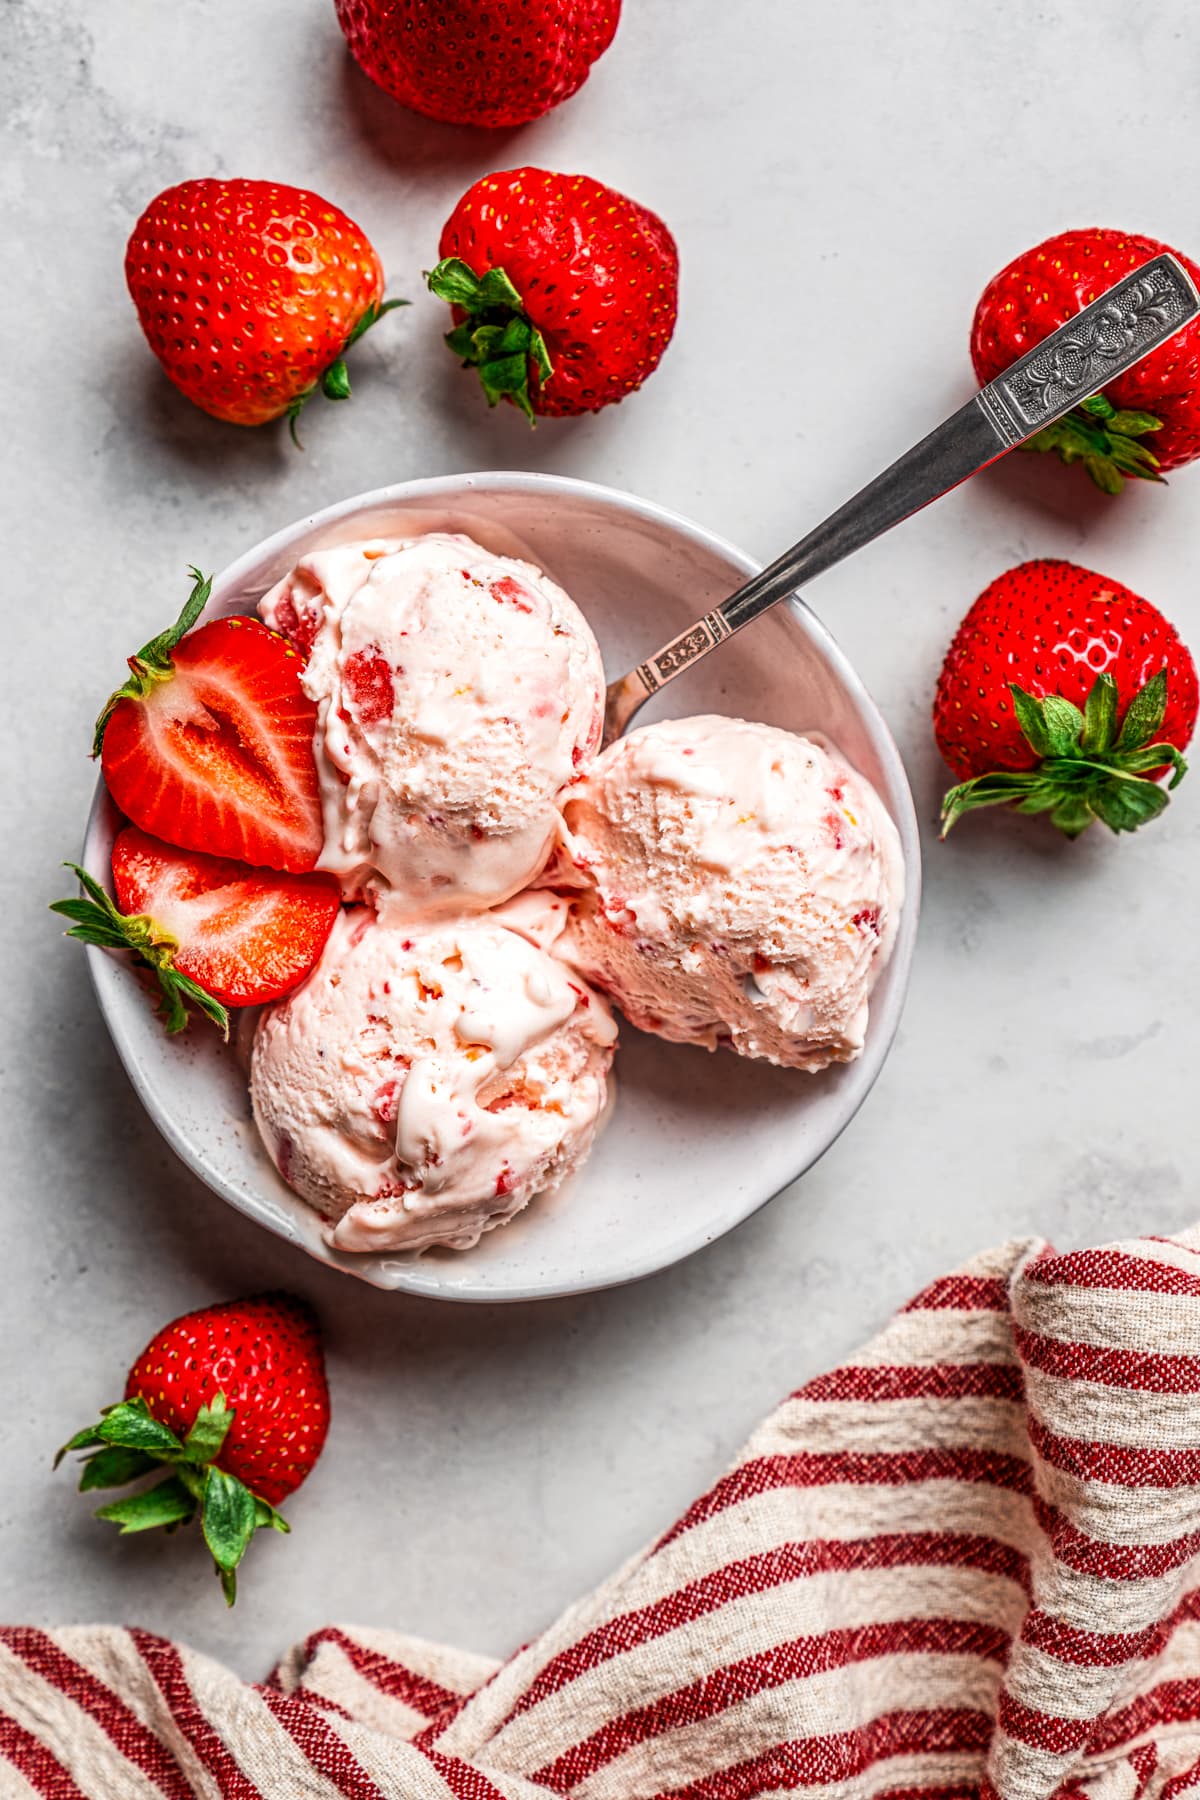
[(426, 1081), (458, 693), (738, 885)]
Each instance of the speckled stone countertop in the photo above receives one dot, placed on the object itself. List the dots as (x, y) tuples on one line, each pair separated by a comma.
[(842, 181)]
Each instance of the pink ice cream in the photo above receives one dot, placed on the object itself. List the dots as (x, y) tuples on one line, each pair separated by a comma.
[(426, 1081), (740, 885), (458, 693)]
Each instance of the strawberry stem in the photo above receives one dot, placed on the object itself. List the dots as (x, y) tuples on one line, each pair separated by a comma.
[(152, 663), (96, 920), (497, 337), (1105, 441), (334, 381), (1087, 768)]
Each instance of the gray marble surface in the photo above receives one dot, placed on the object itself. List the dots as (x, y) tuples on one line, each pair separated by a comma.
[(842, 180)]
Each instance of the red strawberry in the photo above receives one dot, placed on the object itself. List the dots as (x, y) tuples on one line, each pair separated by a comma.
[(478, 62), (214, 932), (233, 1401), (209, 744), (250, 293), (1044, 288), (564, 292), (1044, 641)]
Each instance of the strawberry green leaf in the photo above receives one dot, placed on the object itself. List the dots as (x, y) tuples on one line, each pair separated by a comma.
[(1042, 797), (93, 890), (494, 341), (507, 375), (1030, 719), (498, 337), (1145, 714), (1064, 723), (86, 1439), (1136, 458), (194, 1479), (132, 1426), (455, 282), (266, 1515), (1105, 473), (335, 382), (152, 663), (1132, 424), (1098, 406), (540, 357), (496, 289), (171, 1008), (1002, 788), (293, 415), (1072, 813), (1100, 715), (181, 989), (209, 1430), (462, 340), (157, 653), (229, 1521), (167, 1504), (371, 317), (113, 1466), (1123, 805), (1074, 436), (1151, 757), (91, 926)]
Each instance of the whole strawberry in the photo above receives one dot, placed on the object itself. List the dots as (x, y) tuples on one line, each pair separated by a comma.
[(1147, 420), (564, 291), (232, 1402), (1064, 693), (478, 62), (250, 293)]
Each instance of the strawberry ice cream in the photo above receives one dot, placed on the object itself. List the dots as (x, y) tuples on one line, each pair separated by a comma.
[(738, 885), (458, 693), (426, 1081)]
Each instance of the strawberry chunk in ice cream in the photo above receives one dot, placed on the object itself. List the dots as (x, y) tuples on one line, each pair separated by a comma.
[(458, 694), (428, 1080)]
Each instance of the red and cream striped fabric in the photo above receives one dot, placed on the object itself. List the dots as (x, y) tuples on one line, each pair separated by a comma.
[(966, 1563)]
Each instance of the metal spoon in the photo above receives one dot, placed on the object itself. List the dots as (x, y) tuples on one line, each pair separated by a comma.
[(1127, 322)]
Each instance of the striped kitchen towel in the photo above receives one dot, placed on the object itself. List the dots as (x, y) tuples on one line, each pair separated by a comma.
[(966, 1563)]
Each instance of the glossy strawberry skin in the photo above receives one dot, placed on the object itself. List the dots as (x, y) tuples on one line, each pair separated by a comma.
[(598, 275), (264, 1354), (248, 291), (1052, 628), (478, 62), (219, 756), (1043, 288), (245, 935)]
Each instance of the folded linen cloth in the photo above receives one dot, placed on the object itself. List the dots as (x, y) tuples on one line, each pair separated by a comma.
[(965, 1563)]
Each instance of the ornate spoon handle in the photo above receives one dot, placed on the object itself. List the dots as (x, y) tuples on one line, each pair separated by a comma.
[(1107, 338)]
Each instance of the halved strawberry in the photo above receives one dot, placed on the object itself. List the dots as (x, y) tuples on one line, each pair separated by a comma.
[(209, 744), (215, 932)]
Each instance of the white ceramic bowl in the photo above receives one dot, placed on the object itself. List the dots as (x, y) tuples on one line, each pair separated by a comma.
[(698, 1141)]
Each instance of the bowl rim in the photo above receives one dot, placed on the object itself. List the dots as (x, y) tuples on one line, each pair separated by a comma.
[(885, 1019)]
